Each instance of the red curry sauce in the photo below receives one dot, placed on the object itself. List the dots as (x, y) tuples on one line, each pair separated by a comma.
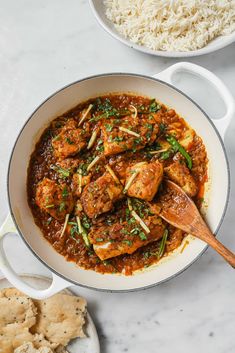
[(49, 160)]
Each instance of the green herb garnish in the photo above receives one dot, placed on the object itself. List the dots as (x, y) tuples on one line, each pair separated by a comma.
[(124, 231), (178, 147), (154, 106), (99, 240), (116, 139), (106, 262), (62, 206), (100, 146), (74, 228), (56, 138), (128, 242), (146, 255), (108, 127), (65, 192), (86, 222), (162, 127), (83, 232), (64, 173), (82, 170), (163, 244), (142, 236), (103, 106), (50, 206), (105, 115), (166, 154), (70, 142), (141, 208), (135, 231)]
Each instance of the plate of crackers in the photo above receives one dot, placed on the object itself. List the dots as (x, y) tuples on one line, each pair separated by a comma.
[(59, 324)]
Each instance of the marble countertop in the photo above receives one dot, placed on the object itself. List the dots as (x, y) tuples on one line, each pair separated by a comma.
[(47, 44)]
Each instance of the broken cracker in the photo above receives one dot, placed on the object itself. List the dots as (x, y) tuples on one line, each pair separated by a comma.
[(60, 318), (29, 348)]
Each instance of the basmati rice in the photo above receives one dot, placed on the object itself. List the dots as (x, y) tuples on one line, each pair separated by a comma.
[(168, 25)]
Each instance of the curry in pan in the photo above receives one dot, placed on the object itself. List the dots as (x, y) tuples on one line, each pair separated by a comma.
[(96, 174)]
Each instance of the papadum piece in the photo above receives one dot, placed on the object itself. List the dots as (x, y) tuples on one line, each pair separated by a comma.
[(16, 311), (29, 348), (60, 318), (13, 339)]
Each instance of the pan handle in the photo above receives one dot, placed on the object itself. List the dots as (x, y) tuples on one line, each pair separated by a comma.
[(8, 229), (222, 123)]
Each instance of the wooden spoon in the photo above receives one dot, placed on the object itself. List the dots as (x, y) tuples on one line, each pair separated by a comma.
[(180, 211)]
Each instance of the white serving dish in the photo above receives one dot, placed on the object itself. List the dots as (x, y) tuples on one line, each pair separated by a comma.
[(98, 9)]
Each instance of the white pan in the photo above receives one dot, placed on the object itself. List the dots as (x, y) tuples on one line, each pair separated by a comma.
[(66, 273)]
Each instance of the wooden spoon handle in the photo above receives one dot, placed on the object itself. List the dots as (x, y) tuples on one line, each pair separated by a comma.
[(220, 248)]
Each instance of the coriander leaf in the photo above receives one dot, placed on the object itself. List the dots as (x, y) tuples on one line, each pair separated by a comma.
[(62, 206), (65, 192), (142, 236), (64, 173)]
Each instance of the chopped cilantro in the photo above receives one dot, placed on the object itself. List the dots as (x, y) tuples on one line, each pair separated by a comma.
[(142, 236), (108, 127), (124, 231), (86, 222), (83, 169), (146, 255), (70, 142), (56, 138), (62, 206), (162, 127), (154, 106), (149, 126), (128, 242), (104, 105), (116, 139), (50, 206), (135, 231), (100, 146), (166, 154), (74, 228), (65, 192), (64, 173)]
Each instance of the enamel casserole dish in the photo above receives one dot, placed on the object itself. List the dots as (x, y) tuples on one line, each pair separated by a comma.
[(21, 220)]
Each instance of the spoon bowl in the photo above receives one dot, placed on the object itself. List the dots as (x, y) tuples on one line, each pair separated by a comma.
[(178, 209)]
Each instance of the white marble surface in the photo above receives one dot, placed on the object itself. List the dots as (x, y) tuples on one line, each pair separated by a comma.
[(47, 44)]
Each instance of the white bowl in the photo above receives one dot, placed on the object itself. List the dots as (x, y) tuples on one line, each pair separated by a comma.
[(66, 273), (216, 44)]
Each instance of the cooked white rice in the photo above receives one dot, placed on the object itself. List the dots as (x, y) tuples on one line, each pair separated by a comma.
[(172, 25)]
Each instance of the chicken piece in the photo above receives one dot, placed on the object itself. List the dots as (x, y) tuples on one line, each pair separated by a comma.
[(114, 240), (145, 131), (70, 140), (76, 186), (146, 182), (98, 197), (179, 173), (187, 138), (55, 199)]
